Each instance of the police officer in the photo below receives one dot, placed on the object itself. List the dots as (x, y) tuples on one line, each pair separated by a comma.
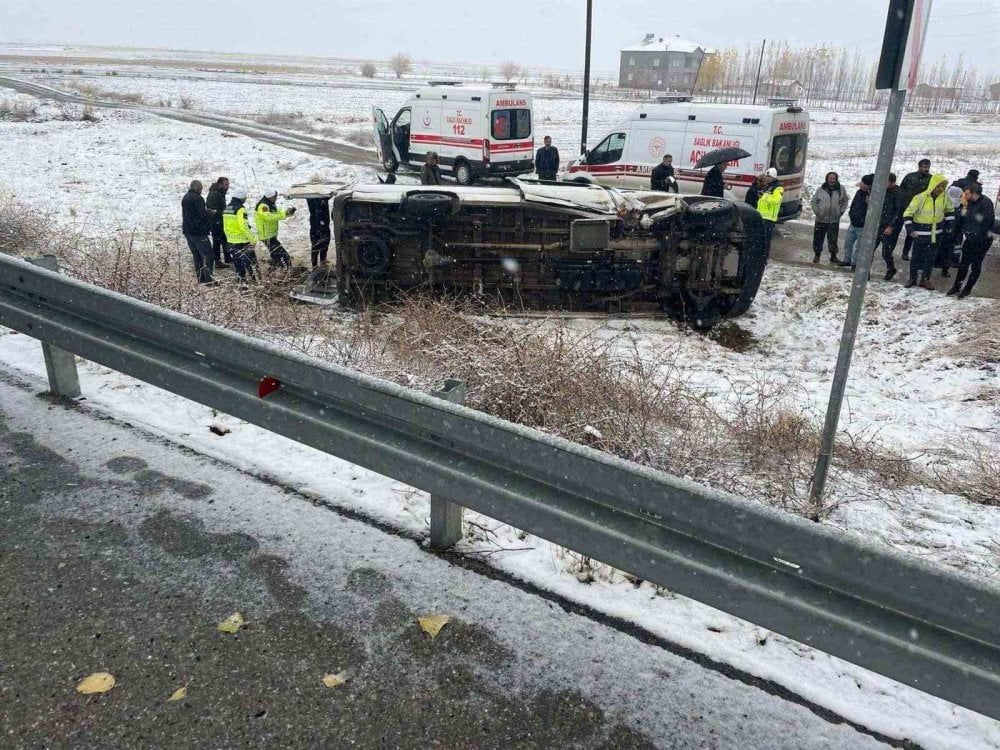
[(268, 215), (240, 236)]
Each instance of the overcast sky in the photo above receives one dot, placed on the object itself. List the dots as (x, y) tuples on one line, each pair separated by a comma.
[(531, 32)]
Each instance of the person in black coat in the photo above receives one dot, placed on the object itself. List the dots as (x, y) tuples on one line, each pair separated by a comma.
[(977, 218), (319, 228), (547, 160), (662, 176), (888, 229), (714, 184), (757, 189), (216, 201), (197, 225), (964, 182)]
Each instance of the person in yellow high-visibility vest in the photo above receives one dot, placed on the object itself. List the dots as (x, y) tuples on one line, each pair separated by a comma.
[(928, 219), (268, 215), (769, 204), (240, 236)]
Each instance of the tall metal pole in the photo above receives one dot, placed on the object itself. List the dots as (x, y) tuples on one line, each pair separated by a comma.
[(864, 262), (760, 65), (586, 79)]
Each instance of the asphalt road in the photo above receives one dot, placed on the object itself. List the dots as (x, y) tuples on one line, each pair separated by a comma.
[(297, 141), (120, 552)]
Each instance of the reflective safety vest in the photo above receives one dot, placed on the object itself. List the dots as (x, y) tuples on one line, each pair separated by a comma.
[(769, 203), (267, 220), (927, 215), (236, 226)]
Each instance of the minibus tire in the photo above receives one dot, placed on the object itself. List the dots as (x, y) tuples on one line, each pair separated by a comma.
[(374, 256)]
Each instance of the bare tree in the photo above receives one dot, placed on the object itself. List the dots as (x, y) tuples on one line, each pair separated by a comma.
[(510, 70), (368, 70), (400, 63)]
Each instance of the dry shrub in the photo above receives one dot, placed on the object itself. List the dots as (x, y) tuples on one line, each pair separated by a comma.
[(359, 137), (972, 470), (978, 343), (17, 111), (283, 119), (186, 102)]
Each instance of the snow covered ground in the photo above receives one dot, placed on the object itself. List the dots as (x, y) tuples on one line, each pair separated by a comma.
[(909, 382)]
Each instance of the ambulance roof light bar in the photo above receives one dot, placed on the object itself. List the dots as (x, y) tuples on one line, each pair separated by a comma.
[(674, 99), (505, 85), (444, 83), (782, 101)]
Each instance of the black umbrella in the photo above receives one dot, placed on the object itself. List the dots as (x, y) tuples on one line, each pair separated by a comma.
[(721, 156)]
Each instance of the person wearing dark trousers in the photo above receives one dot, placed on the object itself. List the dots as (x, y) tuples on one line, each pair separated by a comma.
[(319, 229), (889, 227), (240, 236), (769, 205), (952, 240), (216, 201), (828, 204), (547, 160), (662, 176), (929, 217), (197, 226), (912, 185), (977, 221), (268, 216), (714, 184)]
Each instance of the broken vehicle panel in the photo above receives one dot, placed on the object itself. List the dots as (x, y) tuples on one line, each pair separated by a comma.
[(550, 246)]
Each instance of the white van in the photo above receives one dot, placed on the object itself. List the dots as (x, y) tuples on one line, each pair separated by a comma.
[(776, 136), (476, 131)]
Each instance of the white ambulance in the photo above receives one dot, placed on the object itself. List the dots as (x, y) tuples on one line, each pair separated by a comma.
[(776, 136), (477, 131)]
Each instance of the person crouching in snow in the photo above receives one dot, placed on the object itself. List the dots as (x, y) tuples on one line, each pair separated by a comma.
[(928, 219), (240, 236), (268, 215)]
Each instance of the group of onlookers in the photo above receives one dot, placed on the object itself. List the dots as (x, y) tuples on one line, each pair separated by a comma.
[(219, 232), (939, 221)]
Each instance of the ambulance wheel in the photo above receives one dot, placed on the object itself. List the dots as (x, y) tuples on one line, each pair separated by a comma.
[(463, 173), (374, 256)]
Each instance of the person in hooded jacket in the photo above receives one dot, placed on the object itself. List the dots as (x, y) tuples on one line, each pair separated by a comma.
[(928, 220), (319, 229), (828, 204), (952, 243), (912, 185), (267, 216), (977, 219), (216, 201), (714, 184), (240, 236)]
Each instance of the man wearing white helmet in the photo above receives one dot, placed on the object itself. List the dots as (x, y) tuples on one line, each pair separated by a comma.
[(268, 215), (769, 204), (240, 236)]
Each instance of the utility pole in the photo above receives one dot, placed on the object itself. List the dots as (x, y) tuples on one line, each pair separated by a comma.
[(586, 79), (905, 31), (760, 65)]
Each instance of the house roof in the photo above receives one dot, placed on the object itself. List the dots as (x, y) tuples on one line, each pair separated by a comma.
[(675, 43)]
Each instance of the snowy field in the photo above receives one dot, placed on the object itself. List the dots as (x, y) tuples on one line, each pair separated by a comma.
[(914, 383)]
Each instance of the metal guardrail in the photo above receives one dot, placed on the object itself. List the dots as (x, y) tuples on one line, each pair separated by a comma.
[(926, 626)]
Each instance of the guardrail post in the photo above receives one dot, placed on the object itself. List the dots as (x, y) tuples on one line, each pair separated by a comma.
[(446, 516), (59, 364)]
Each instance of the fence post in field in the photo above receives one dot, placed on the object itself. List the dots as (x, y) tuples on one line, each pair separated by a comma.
[(60, 365), (446, 516)]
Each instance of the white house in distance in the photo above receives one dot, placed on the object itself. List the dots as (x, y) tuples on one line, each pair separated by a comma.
[(662, 63)]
